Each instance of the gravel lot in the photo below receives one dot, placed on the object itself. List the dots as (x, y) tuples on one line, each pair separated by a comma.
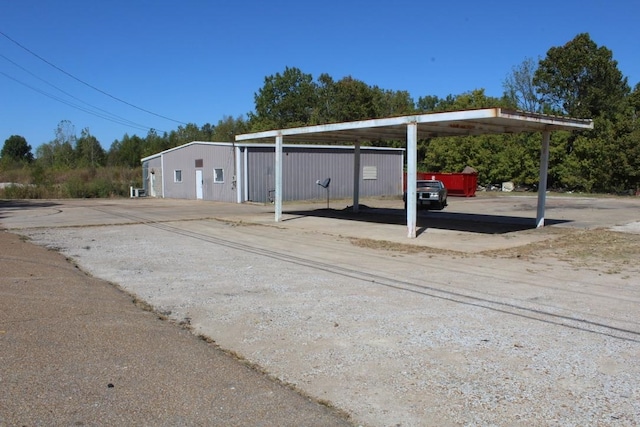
[(426, 335)]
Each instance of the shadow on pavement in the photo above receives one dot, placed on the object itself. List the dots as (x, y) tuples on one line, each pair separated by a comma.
[(11, 205), (454, 221)]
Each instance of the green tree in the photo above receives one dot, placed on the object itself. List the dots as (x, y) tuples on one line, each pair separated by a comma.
[(606, 159), (465, 101), (88, 151), (285, 100), (127, 152), (474, 99), (325, 101), (345, 100), (228, 127), (59, 153), (44, 155), (393, 102), (186, 134), (452, 154), (16, 149), (353, 100), (62, 146), (581, 79), (519, 89), (427, 104), (293, 98), (634, 100), (154, 143), (206, 132)]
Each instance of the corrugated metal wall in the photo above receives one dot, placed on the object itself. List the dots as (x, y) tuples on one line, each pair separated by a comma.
[(389, 169), (213, 157), (302, 167)]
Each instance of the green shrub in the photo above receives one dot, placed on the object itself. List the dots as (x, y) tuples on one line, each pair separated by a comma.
[(20, 191)]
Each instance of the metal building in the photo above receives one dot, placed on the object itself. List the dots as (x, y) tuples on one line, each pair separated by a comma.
[(240, 172)]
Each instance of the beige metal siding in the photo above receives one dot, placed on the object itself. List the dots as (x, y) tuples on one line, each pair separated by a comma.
[(302, 167), (213, 156)]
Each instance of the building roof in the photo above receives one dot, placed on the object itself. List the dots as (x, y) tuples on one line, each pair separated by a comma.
[(455, 123), (270, 145)]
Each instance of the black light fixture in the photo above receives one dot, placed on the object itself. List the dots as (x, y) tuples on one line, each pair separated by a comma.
[(325, 184)]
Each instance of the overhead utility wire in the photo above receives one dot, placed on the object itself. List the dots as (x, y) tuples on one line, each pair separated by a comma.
[(89, 85), (117, 119), (64, 101)]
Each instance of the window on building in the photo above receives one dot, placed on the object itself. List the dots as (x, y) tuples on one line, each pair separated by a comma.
[(177, 175), (199, 163), (218, 176)]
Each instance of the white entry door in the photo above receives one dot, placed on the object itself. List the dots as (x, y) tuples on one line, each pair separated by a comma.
[(199, 184)]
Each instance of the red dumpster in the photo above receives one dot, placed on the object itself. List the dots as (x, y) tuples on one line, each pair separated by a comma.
[(458, 184)]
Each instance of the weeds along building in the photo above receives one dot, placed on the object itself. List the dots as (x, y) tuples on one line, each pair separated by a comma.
[(241, 172)]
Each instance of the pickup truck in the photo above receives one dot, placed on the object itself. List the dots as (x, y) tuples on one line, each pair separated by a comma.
[(430, 194)]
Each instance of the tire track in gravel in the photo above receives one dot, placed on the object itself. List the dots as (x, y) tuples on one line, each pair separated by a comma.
[(378, 279)]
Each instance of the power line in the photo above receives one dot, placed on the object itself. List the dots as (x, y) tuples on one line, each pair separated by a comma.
[(87, 84), (116, 118), (64, 101)]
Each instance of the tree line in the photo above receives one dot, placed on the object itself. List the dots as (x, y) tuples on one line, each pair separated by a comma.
[(579, 79)]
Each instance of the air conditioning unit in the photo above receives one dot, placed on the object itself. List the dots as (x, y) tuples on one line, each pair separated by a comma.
[(136, 192)]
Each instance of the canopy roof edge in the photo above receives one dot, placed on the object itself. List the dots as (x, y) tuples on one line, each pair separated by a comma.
[(453, 123)]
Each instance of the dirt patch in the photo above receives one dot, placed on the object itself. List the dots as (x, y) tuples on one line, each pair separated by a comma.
[(405, 248), (599, 248)]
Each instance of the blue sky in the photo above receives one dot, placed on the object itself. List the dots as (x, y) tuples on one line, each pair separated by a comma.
[(196, 61)]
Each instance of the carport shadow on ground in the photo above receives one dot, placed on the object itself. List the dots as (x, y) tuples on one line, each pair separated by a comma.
[(453, 221)]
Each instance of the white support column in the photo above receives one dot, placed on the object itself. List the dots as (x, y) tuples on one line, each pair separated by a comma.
[(412, 175), (356, 177), (278, 171), (245, 173), (164, 173), (238, 176), (542, 181)]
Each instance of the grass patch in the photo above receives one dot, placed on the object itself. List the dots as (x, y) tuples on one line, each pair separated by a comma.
[(609, 251), (406, 248), (582, 248)]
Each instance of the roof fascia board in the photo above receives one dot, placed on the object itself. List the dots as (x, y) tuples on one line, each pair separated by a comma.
[(318, 146), (374, 123), (557, 122), (269, 145), (516, 121), (168, 150)]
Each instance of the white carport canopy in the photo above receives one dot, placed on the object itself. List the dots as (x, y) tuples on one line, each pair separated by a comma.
[(421, 126)]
